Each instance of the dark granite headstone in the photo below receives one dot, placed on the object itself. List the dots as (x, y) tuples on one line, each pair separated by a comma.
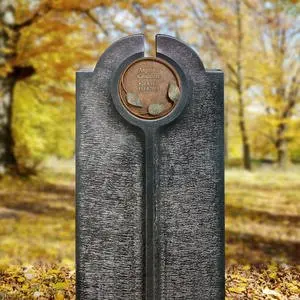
[(150, 175)]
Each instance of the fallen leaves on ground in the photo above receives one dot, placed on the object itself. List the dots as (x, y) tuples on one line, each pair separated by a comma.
[(275, 281), (37, 282)]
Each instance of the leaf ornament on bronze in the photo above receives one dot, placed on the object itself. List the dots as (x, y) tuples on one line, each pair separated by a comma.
[(173, 92), (134, 100)]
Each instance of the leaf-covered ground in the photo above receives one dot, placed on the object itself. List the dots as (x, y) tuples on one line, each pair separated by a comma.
[(262, 236)]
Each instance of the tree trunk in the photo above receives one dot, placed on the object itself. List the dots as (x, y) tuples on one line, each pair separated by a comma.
[(245, 140), (240, 89), (6, 90), (6, 141), (226, 125), (282, 147), (9, 41)]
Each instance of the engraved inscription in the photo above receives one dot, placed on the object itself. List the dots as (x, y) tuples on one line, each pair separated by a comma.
[(148, 80)]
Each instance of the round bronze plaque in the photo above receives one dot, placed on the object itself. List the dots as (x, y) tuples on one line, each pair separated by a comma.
[(149, 88)]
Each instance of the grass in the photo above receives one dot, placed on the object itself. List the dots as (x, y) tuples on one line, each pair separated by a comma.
[(262, 236), (262, 217)]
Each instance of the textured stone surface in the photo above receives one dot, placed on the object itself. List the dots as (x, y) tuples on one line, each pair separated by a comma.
[(191, 201), (110, 186), (109, 190), (191, 197)]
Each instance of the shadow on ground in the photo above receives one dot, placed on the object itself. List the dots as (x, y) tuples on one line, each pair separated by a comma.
[(38, 198), (258, 248), (254, 249), (262, 216)]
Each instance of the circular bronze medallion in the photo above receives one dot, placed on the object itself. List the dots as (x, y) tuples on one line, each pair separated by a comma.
[(149, 88)]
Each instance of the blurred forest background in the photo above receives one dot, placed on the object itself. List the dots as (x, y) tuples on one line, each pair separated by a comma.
[(44, 42)]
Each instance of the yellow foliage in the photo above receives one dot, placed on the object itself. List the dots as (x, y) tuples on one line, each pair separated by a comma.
[(37, 128)]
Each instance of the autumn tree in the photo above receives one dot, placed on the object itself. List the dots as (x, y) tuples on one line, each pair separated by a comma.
[(256, 44), (224, 30), (279, 71), (42, 43)]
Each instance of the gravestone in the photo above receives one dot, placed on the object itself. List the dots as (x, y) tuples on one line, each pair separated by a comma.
[(150, 175)]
